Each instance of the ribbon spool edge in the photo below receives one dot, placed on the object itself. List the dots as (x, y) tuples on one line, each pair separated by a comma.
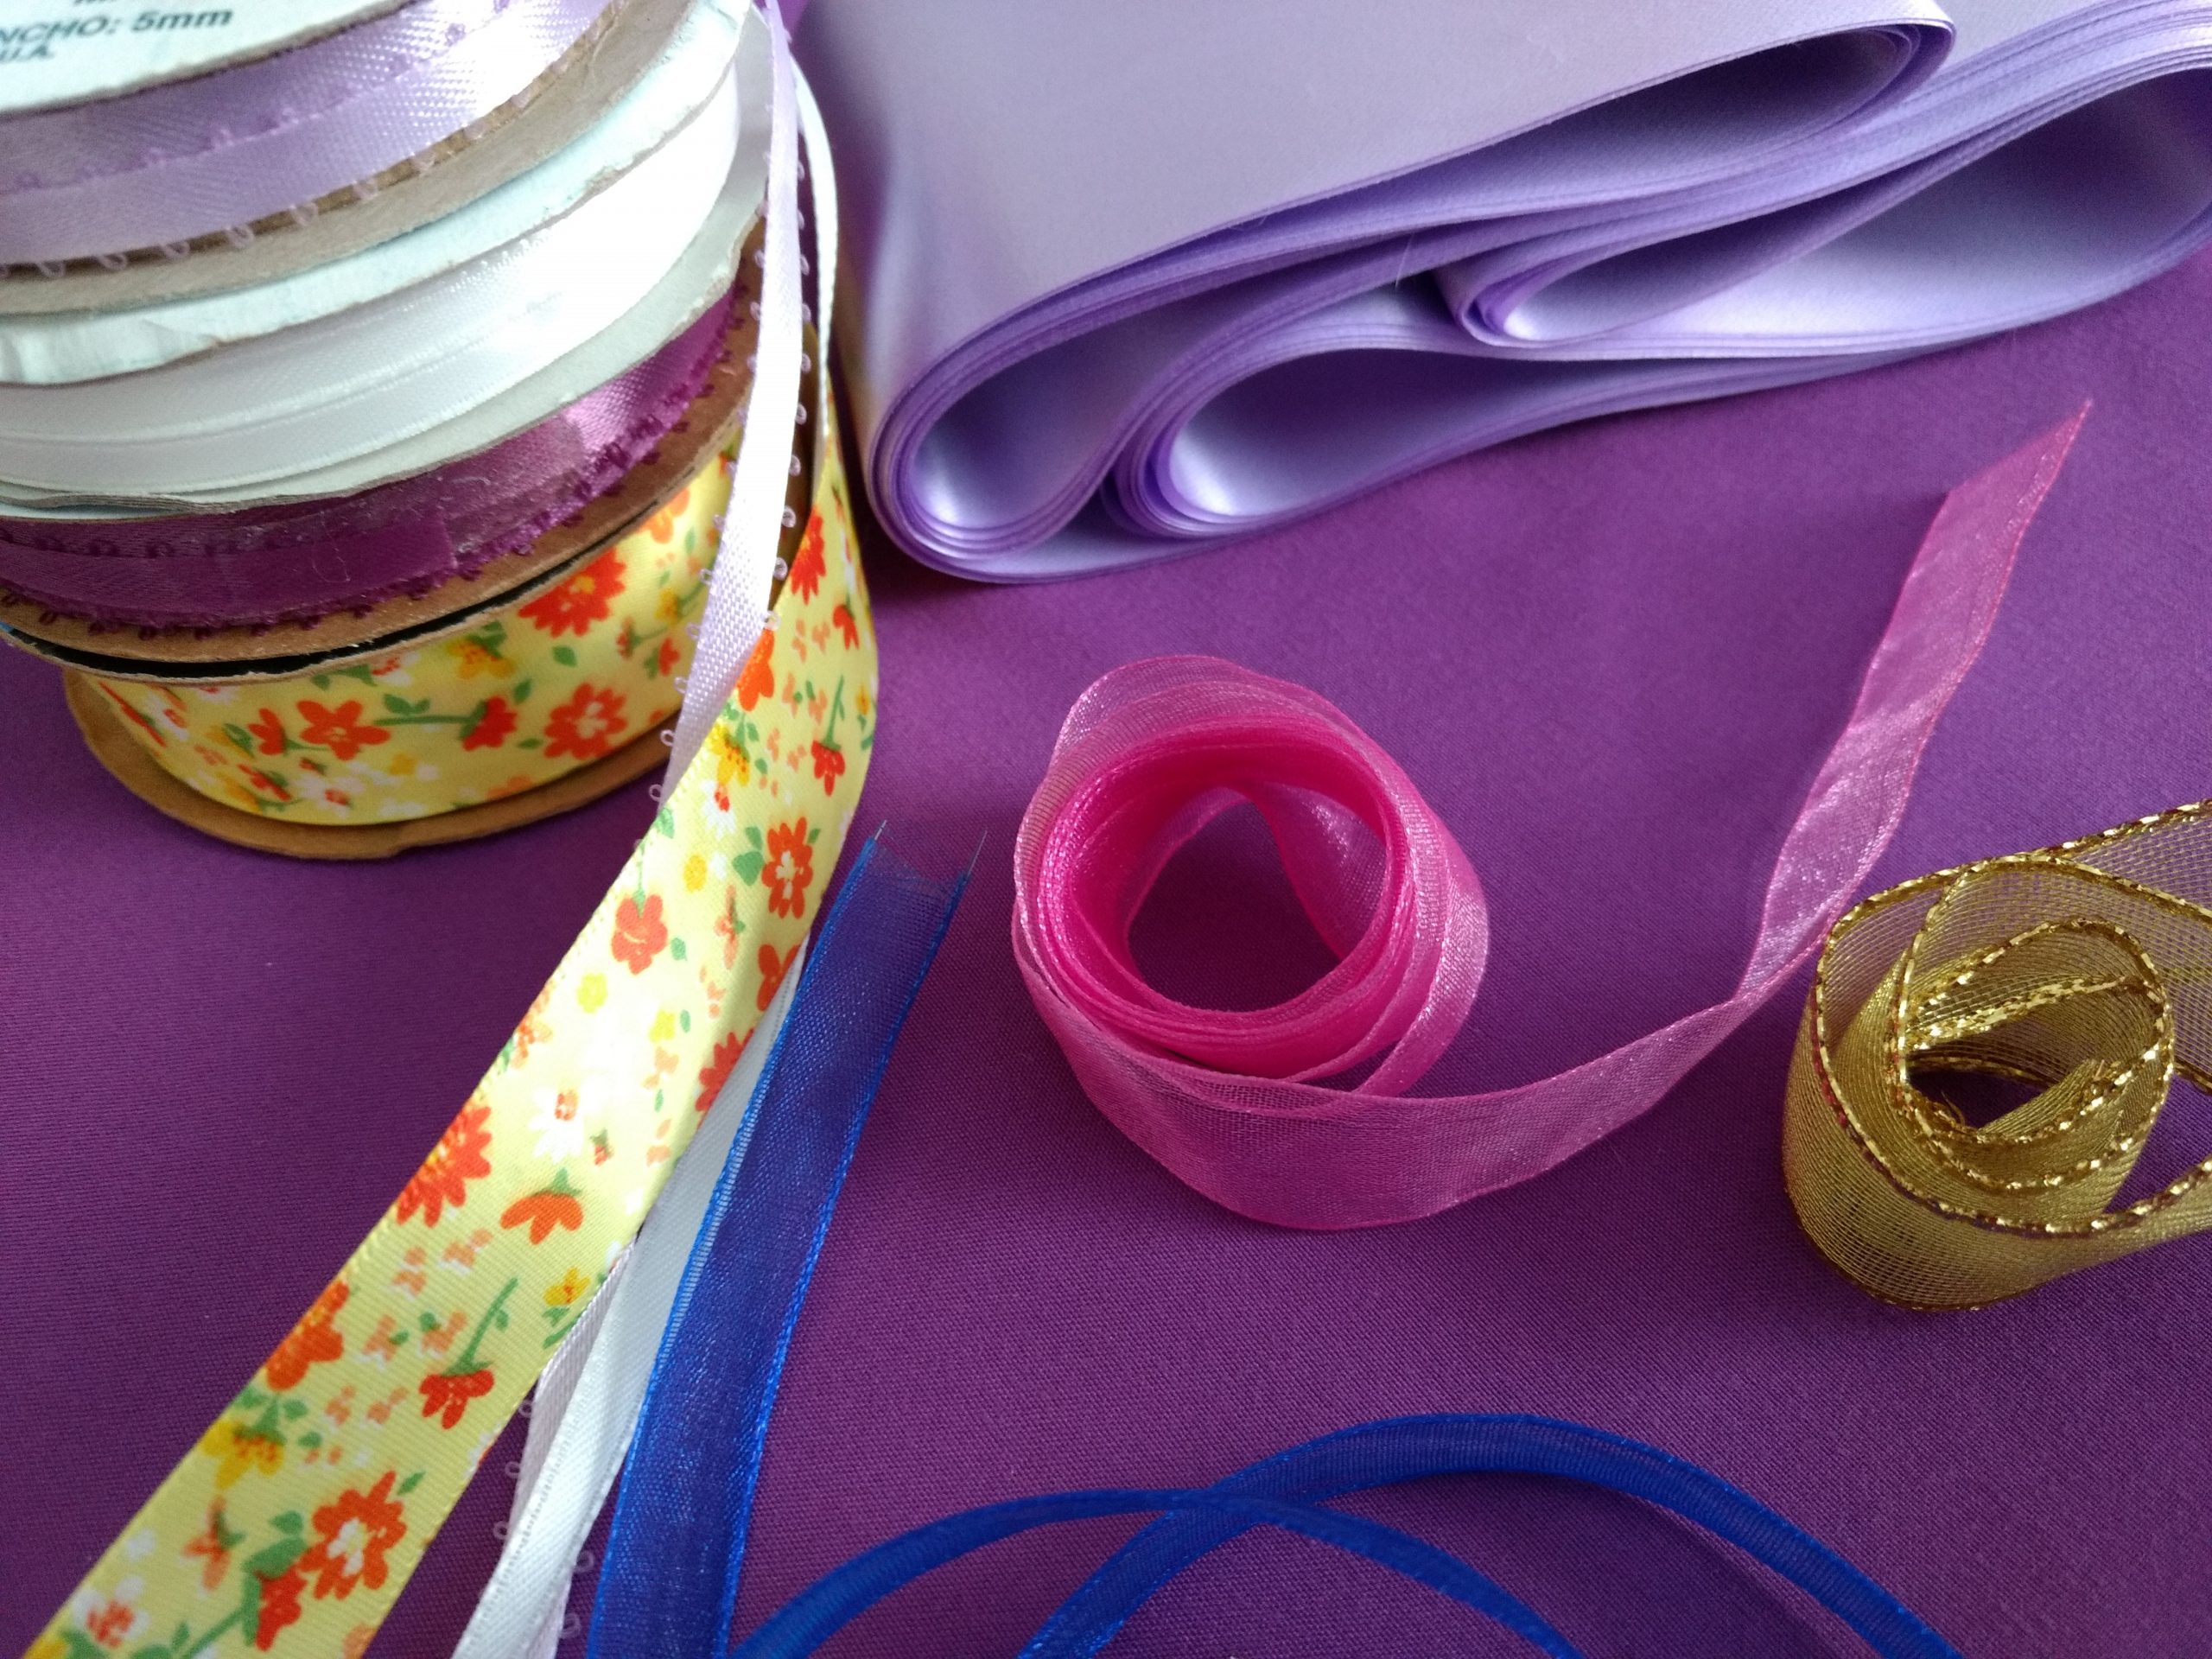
[(362, 12), (560, 107), (713, 419), (112, 745), (127, 761)]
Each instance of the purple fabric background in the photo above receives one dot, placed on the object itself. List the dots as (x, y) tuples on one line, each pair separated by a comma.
[(1611, 657)]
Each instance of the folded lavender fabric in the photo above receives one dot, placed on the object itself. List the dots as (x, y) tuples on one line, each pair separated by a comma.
[(1136, 274)]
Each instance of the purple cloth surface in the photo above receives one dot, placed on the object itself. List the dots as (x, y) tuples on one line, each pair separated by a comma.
[(1611, 658)]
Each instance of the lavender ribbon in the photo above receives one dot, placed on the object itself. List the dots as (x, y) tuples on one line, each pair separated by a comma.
[(1128, 278), (301, 560), (214, 153)]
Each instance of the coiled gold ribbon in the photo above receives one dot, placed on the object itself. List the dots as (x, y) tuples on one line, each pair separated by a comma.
[(2084, 973)]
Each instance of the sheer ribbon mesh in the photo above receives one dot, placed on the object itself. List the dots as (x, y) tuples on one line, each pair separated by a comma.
[(1233, 1102), (2083, 972)]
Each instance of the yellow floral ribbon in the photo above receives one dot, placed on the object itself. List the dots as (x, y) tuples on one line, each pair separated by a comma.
[(2080, 977), (293, 1525), (520, 695)]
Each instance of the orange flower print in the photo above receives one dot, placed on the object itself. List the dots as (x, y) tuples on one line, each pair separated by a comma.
[(732, 764), (355, 1531), (112, 1622), (237, 1448), (139, 720), (493, 725), (772, 970), (558, 1205), (442, 1392), (172, 714), (715, 1073), (663, 524), (445, 1394), (640, 933), (582, 600), (807, 569), (463, 1252), (457, 1159), (847, 624), (380, 1411), (535, 1029), (472, 656), (828, 766), (357, 1641), (789, 868), (311, 1341), (727, 928), (664, 659), (268, 731), (436, 1339), (339, 729), (268, 785), (212, 1546), (585, 725), (280, 1606), (758, 678), (383, 1345)]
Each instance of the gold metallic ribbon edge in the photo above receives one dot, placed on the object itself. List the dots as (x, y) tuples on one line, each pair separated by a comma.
[(1871, 1222)]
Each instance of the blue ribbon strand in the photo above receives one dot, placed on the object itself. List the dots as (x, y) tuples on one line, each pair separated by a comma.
[(673, 1563), (669, 1585), (1289, 1490)]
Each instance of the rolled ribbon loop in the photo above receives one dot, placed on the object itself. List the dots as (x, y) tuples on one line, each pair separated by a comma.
[(2079, 972), (296, 561), (220, 151), (1291, 1491), (1231, 1102), (1150, 755)]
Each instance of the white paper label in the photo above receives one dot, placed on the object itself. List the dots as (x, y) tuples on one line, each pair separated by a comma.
[(69, 51)]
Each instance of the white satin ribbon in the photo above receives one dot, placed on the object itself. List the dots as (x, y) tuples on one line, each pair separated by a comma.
[(247, 421), (745, 569), (86, 346), (824, 174), (588, 1400)]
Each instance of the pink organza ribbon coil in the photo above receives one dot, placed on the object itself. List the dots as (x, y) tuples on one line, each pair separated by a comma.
[(1233, 1103)]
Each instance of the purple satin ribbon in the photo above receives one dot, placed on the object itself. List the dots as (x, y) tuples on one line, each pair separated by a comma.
[(158, 168), (304, 560)]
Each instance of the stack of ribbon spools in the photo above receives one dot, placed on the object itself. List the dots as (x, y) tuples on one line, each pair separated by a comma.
[(368, 373)]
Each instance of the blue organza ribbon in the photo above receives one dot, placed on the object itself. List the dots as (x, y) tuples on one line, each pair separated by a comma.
[(670, 1579), (1291, 1489), (673, 1561)]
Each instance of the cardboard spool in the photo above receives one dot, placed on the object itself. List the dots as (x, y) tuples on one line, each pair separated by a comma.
[(193, 654), (111, 742), (566, 99), (113, 745)]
